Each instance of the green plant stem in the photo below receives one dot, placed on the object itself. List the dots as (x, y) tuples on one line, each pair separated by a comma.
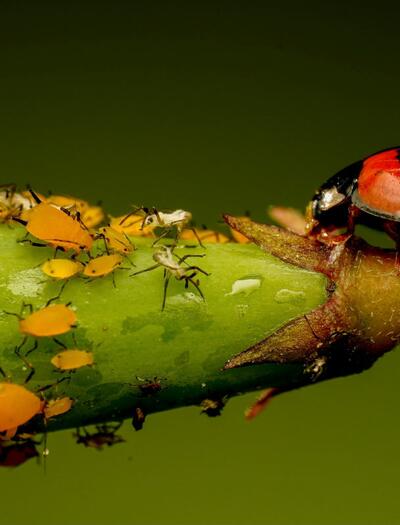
[(185, 346)]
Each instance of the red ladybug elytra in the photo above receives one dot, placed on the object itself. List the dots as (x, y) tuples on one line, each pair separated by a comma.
[(367, 191)]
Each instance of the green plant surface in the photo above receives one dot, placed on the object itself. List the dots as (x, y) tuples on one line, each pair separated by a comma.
[(185, 346)]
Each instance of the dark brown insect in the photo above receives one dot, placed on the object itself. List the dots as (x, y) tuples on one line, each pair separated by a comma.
[(138, 418), (149, 387), (15, 453), (105, 436), (212, 407)]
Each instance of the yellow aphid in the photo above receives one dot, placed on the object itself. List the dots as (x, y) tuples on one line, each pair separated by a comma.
[(239, 237), (103, 265), (17, 406), (61, 268), (49, 321), (207, 236), (72, 359), (93, 216), (57, 228), (69, 203), (56, 407), (116, 241), (132, 225)]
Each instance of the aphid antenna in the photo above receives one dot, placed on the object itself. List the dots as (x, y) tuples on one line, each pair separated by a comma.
[(60, 343), (134, 212), (52, 385)]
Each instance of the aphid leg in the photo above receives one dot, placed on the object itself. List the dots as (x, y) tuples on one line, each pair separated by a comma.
[(183, 259), (164, 234), (60, 343), (102, 236), (29, 376), (198, 269), (58, 295), (149, 269), (196, 285), (197, 237), (34, 347), (17, 352), (166, 282), (27, 305), (113, 280), (3, 373)]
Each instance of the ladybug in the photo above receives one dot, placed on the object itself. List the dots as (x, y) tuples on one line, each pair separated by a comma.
[(367, 192)]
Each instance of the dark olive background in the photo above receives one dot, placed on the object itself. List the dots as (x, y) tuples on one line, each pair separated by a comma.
[(220, 106)]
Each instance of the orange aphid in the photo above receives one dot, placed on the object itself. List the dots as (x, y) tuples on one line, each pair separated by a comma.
[(61, 268), (56, 407), (17, 406), (116, 241), (103, 265), (65, 201), (58, 229), (132, 225), (72, 359), (49, 321), (93, 216), (210, 236), (261, 402)]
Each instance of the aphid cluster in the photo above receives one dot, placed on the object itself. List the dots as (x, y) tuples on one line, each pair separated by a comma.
[(87, 245)]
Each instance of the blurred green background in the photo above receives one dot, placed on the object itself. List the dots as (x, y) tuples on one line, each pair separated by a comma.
[(219, 106)]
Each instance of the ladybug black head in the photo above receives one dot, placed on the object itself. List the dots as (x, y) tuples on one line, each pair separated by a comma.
[(336, 192)]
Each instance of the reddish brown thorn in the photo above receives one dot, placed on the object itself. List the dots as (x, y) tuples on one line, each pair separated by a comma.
[(297, 341), (289, 247)]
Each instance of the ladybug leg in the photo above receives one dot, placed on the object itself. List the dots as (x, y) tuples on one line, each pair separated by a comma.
[(392, 228), (354, 213)]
